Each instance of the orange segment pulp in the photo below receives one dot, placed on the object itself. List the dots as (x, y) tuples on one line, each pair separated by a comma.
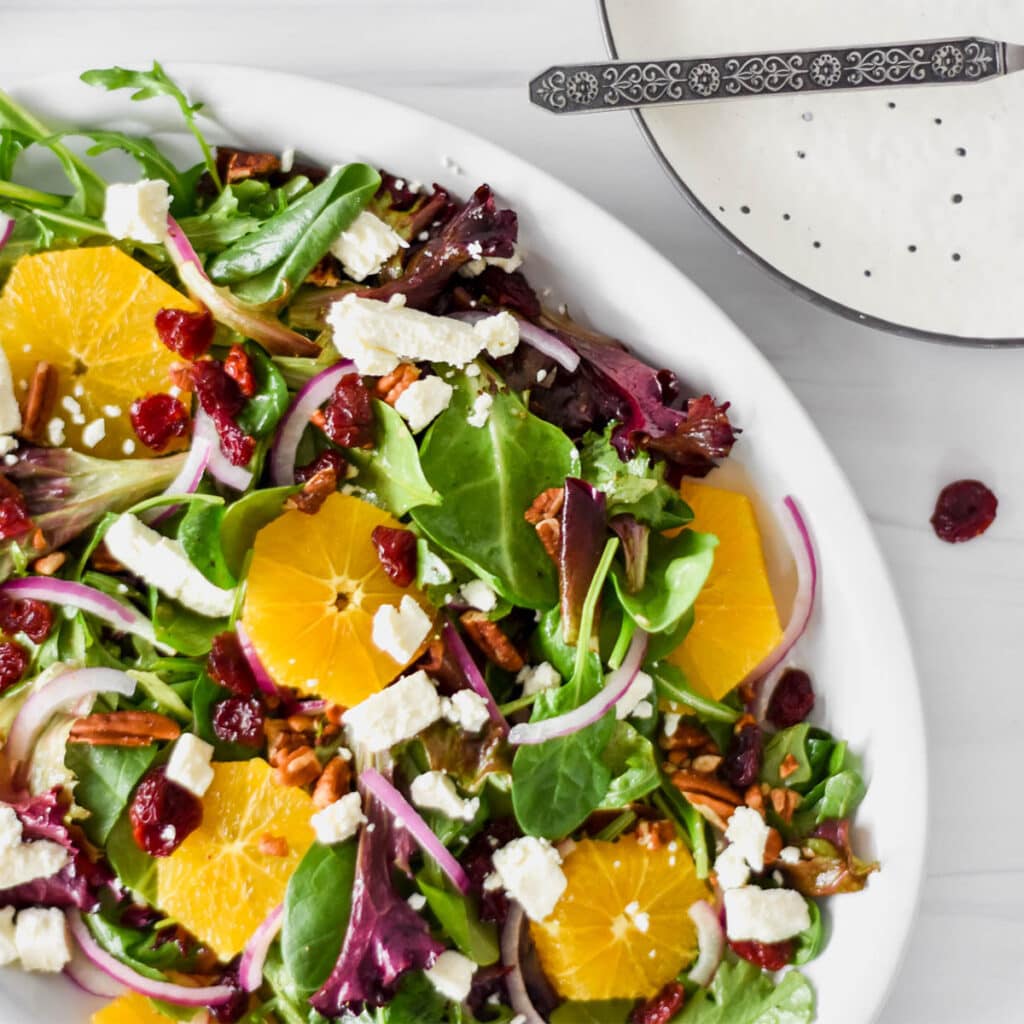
[(312, 590), (217, 883), (621, 929), (90, 314), (129, 1009), (736, 622)]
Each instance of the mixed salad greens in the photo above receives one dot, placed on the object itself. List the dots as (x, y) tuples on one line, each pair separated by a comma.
[(227, 797)]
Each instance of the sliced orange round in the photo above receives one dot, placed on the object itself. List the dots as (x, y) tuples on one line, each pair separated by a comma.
[(313, 587), (218, 883), (130, 1008), (621, 929), (736, 622), (90, 314)]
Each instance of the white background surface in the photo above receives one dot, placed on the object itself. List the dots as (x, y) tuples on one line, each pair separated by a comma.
[(903, 417)]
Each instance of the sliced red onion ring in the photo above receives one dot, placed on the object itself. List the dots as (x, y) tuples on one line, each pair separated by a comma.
[(89, 978), (543, 341), (226, 309), (615, 686), (263, 680), (511, 937), (310, 397), (187, 480), (710, 942), (465, 661), (315, 706), (179, 995), (254, 956), (802, 547), (406, 815), (6, 229), (219, 465), (63, 691)]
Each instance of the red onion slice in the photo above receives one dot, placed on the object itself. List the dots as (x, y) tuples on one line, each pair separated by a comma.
[(511, 937), (219, 465), (254, 956), (293, 424), (263, 680), (187, 480), (226, 309), (6, 229), (179, 995), (615, 686), (89, 978), (543, 341), (710, 942), (63, 691), (802, 547), (465, 661), (406, 815)]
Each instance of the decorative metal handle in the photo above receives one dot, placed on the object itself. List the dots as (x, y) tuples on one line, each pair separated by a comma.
[(577, 88)]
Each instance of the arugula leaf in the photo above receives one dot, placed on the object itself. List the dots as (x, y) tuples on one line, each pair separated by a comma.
[(107, 776), (742, 994), (672, 685), (610, 1011), (245, 518), (809, 942), (264, 409), (458, 917), (512, 458), (179, 627), (152, 83), (316, 911), (633, 764), (135, 868), (199, 535)]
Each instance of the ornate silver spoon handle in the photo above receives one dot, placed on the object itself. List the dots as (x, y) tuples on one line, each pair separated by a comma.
[(623, 85)]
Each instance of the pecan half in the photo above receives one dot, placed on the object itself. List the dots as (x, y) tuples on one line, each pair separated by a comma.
[(42, 393), (333, 784), (491, 639), (655, 834), (711, 797), (49, 564), (124, 729), (391, 386), (544, 515), (297, 768), (327, 273), (239, 164), (315, 491), (773, 846), (687, 736), (785, 802)]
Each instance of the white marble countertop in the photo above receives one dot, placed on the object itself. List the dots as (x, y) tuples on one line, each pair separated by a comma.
[(903, 417)]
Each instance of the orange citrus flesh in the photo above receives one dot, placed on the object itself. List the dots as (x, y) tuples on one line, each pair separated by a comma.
[(129, 1009), (736, 622), (312, 590), (621, 929), (217, 883), (90, 314)]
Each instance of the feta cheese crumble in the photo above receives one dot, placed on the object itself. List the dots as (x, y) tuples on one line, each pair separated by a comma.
[(481, 410), (366, 245), (452, 975), (423, 401), (397, 713), (731, 868), (93, 433), (25, 862), (466, 709), (377, 336), (435, 791), (641, 687), (8, 948), (42, 939), (748, 832), (474, 268), (535, 678), (417, 901), (339, 821), (400, 631), (138, 211), (163, 563), (789, 855), (10, 412), (479, 595), (765, 915), (189, 764), (530, 871)]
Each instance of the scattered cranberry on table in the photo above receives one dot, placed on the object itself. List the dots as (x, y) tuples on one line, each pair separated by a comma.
[(964, 510)]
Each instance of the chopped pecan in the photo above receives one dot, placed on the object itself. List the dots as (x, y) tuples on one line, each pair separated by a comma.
[(390, 387), (550, 533), (784, 802), (297, 767), (687, 736), (714, 799), (790, 766), (124, 729), (655, 834), (773, 846), (49, 564), (754, 798), (716, 811), (239, 164), (333, 784), (272, 846), (680, 758), (282, 741), (327, 273), (39, 541), (103, 561), (491, 639), (742, 722), (547, 505), (42, 393), (707, 764), (300, 723), (315, 491)]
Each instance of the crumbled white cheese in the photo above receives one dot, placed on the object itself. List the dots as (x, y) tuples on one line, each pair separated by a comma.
[(163, 563), (400, 631), (41, 936), (366, 245), (25, 862), (535, 678), (128, 446), (481, 410), (452, 975), (93, 433), (479, 595), (765, 915), (435, 791), (423, 401), (789, 855), (287, 160), (466, 709), (380, 335), (641, 687), (529, 869), (417, 901), (112, 411), (10, 413), (138, 211), (749, 833), (339, 821), (431, 568), (731, 868), (55, 432), (8, 948), (638, 918), (670, 723), (474, 268), (395, 714), (189, 765), (643, 710)]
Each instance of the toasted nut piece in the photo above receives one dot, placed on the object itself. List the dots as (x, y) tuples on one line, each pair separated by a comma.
[(754, 798), (49, 564), (391, 386), (333, 784), (300, 723), (103, 561), (334, 713), (285, 743), (785, 802), (550, 533), (327, 273), (272, 846), (38, 541), (707, 763), (718, 812), (743, 722), (124, 729), (688, 736), (655, 834), (297, 767), (790, 765), (679, 757), (315, 491), (547, 505), (238, 164), (688, 782), (773, 846), (491, 639), (42, 393)]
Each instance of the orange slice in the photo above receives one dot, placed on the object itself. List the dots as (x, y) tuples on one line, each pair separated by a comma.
[(129, 1009), (736, 622), (90, 314), (217, 883), (312, 590), (621, 929)]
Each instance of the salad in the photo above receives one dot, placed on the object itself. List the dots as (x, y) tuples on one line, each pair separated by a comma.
[(373, 646)]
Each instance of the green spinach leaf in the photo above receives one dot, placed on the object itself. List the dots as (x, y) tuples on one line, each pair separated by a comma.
[(459, 918), (136, 869), (809, 942), (633, 764), (107, 776), (262, 412), (199, 535), (245, 518), (181, 628), (671, 684), (742, 994)]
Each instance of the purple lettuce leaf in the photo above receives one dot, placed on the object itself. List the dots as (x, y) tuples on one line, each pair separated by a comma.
[(635, 537), (385, 936), (834, 868), (581, 543)]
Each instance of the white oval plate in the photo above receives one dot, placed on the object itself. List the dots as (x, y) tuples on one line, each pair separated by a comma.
[(850, 198), (857, 648)]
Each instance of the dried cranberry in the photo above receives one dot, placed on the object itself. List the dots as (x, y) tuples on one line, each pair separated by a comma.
[(236, 444), (218, 393), (348, 417), (478, 862), (239, 720), (13, 662), (235, 1007), (396, 550), (329, 459), (661, 1008), (792, 699), (742, 762), (188, 334), (238, 366), (163, 814), (770, 956), (14, 517), (964, 510), (228, 665), (157, 419), (33, 618)]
